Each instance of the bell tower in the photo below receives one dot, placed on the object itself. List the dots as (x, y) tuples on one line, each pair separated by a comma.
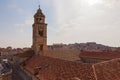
[(39, 33)]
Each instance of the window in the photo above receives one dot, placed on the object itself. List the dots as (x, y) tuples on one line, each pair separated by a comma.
[(41, 32), (39, 20)]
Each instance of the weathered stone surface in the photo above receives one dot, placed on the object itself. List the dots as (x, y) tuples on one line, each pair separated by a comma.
[(39, 33)]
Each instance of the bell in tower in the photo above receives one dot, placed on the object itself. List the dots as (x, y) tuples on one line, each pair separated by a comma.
[(39, 33)]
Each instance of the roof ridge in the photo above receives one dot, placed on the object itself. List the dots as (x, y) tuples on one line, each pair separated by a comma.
[(107, 61), (94, 72)]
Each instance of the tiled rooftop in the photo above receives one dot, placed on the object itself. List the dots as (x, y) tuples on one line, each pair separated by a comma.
[(46, 68), (100, 55), (108, 70)]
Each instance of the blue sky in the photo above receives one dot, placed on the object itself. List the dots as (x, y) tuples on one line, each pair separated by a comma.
[(69, 21)]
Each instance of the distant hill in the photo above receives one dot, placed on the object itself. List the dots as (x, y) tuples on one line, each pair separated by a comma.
[(71, 52), (89, 46)]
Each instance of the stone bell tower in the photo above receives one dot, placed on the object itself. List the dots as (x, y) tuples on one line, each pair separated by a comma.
[(39, 33)]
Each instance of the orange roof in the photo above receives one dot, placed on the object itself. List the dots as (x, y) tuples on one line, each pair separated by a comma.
[(46, 68), (109, 70), (100, 55), (118, 49)]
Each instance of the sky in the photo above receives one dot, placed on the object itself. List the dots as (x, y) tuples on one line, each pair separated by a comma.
[(69, 21)]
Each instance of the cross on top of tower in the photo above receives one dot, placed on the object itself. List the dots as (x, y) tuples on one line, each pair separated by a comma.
[(39, 6)]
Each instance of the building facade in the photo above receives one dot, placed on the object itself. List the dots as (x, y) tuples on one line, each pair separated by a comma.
[(39, 33)]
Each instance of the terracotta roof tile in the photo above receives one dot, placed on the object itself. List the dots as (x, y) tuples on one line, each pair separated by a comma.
[(108, 70), (46, 68), (100, 55), (55, 69)]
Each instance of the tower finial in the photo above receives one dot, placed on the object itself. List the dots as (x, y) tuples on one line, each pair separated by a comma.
[(39, 6)]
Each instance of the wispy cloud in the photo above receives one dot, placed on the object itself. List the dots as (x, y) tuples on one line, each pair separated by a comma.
[(27, 22), (15, 7), (84, 20), (22, 26), (69, 20)]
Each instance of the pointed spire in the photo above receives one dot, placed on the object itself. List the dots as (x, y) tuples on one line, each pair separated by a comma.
[(39, 12)]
